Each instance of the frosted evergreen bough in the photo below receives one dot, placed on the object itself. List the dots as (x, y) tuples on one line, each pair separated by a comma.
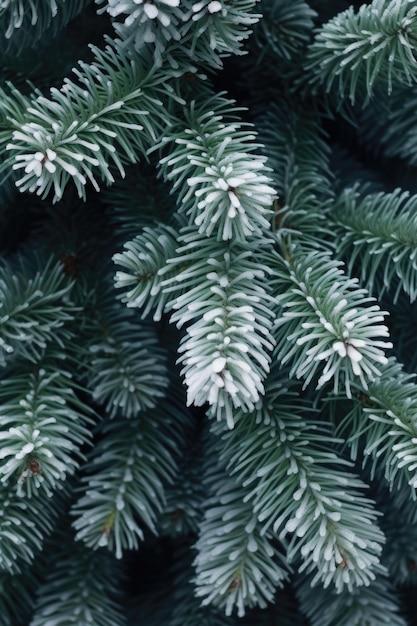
[(335, 333), (326, 525), (224, 190), (225, 352), (207, 312), (254, 568)]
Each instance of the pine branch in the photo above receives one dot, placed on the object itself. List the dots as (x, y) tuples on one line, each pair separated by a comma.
[(220, 184), (384, 417), (81, 589), (35, 309), (371, 605), (225, 352), (142, 261), (356, 53), (301, 490), (207, 30), (379, 232), (83, 132), (237, 565), (126, 477), (44, 427), (329, 327)]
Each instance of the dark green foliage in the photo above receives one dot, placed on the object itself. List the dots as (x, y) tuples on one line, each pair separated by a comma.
[(207, 400)]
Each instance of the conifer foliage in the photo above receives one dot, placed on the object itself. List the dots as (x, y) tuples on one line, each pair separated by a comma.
[(208, 283)]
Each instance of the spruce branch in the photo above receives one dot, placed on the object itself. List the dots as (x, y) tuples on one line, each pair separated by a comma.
[(305, 494), (237, 565), (125, 479), (220, 184), (142, 261), (93, 126), (299, 155), (378, 231), (43, 428), (141, 23), (35, 309), (127, 369), (385, 418), (81, 588), (23, 23), (215, 29), (206, 31), (354, 53), (225, 352), (329, 327), (372, 605), (24, 523), (284, 29)]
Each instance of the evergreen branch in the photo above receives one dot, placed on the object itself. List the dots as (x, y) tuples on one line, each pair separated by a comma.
[(84, 130), (237, 565), (391, 124), (355, 53), (142, 260), (35, 309), (207, 30), (127, 372), (24, 522), (284, 30), (43, 428), (140, 23), (187, 608), (329, 326), (379, 231), (372, 605), (297, 487), (80, 589), (13, 105), (24, 22), (215, 29), (225, 352), (385, 418), (125, 479), (299, 156), (220, 184)]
